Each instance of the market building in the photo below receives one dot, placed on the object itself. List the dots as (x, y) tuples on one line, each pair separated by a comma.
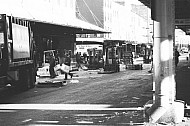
[(128, 23), (125, 20), (54, 23)]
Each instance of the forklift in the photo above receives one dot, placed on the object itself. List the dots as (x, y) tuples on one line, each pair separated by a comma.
[(111, 61), (95, 58), (44, 70)]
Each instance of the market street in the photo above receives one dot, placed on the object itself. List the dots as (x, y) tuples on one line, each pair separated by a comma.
[(95, 99), (125, 89)]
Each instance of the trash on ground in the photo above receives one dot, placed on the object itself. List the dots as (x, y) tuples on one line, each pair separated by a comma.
[(135, 98), (8, 85), (74, 81)]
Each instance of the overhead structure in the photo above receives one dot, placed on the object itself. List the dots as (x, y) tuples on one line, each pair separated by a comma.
[(80, 27), (181, 8), (49, 16), (166, 108), (182, 13)]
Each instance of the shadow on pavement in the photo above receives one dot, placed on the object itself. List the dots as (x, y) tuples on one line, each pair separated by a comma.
[(183, 81)]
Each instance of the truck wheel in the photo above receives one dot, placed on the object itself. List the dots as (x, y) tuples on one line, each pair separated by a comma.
[(28, 80), (32, 77), (24, 79)]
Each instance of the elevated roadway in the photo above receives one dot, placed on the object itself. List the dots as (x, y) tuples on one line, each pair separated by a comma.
[(182, 14), (167, 15)]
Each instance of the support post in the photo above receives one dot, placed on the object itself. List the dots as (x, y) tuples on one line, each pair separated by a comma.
[(164, 108)]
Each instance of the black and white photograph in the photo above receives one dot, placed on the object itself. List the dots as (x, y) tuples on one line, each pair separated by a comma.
[(94, 62)]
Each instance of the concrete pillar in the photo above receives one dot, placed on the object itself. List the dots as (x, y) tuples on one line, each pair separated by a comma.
[(164, 107)]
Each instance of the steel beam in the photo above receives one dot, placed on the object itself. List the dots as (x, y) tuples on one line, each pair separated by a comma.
[(164, 108)]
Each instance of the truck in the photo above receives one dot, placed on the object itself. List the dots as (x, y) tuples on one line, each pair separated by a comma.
[(17, 64)]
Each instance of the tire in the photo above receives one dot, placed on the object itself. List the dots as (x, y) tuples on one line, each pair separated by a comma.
[(32, 78), (26, 78)]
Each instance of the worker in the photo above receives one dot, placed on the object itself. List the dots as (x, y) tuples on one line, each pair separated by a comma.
[(51, 66), (61, 57), (176, 57), (151, 60), (78, 60), (68, 63)]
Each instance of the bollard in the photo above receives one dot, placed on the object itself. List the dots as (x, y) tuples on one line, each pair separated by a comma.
[(179, 110)]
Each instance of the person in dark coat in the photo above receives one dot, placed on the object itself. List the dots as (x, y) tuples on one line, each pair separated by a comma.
[(51, 66), (151, 60), (68, 63), (85, 57), (176, 57), (61, 57), (78, 59)]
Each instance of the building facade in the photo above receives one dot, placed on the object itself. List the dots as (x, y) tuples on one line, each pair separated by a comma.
[(181, 39), (126, 20), (53, 22)]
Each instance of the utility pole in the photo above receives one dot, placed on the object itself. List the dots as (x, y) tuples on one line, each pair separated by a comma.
[(165, 107)]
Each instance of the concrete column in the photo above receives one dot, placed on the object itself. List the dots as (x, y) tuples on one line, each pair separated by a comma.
[(163, 109)]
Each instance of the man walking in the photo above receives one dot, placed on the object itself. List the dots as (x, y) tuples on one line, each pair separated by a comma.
[(151, 60)]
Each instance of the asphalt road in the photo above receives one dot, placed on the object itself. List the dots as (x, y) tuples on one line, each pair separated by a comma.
[(89, 99)]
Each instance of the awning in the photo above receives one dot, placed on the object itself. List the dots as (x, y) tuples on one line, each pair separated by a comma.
[(80, 27), (74, 25)]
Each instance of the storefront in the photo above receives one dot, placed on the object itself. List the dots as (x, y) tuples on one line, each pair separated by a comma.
[(56, 37)]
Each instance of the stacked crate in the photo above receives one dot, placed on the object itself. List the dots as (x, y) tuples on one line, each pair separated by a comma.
[(128, 60)]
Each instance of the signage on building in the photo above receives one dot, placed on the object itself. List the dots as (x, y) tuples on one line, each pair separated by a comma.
[(84, 48), (182, 22)]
